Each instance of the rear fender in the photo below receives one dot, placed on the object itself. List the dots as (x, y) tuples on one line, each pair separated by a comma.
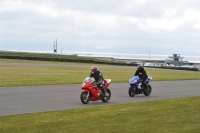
[(107, 83), (149, 78)]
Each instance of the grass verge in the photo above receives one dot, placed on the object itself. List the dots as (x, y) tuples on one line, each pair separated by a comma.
[(166, 116), (71, 73)]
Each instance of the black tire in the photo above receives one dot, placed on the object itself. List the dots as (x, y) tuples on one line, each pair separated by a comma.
[(131, 91), (147, 91), (107, 97), (84, 98)]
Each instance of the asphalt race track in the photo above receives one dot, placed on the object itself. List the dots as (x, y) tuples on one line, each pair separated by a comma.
[(21, 100)]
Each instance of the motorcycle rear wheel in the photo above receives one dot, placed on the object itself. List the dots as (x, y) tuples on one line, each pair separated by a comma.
[(84, 97), (147, 91), (131, 91), (108, 96)]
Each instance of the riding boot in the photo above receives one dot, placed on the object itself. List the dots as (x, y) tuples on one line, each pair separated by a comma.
[(103, 92), (145, 86)]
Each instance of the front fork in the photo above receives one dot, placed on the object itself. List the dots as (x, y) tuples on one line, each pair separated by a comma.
[(88, 93)]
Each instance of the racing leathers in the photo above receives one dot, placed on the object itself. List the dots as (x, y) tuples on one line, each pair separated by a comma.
[(98, 76), (143, 76)]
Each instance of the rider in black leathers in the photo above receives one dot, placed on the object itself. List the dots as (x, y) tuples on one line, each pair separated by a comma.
[(98, 76), (142, 74)]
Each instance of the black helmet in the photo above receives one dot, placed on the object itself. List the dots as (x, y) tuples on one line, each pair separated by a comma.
[(140, 68)]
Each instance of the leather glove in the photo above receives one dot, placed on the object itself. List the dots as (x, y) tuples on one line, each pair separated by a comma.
[(94, 83)]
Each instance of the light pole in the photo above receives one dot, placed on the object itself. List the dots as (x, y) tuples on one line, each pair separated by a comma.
[(61, 50)]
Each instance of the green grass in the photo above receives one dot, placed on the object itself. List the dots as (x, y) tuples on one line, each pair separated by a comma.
[(166, 116), (75, 73)]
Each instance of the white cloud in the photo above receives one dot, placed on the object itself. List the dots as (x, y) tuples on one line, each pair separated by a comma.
[(39, 8), (104, 25), (197, 25)]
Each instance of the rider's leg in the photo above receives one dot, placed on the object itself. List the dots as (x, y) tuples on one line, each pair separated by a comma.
[(102, 89), (144, 83)]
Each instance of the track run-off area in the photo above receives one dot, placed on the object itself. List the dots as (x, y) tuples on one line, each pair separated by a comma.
[(32, 99)]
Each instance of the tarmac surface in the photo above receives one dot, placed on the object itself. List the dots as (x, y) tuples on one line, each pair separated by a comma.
[(32, 99)]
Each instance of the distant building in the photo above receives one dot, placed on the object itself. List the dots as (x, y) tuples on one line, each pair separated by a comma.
[(175, 60)]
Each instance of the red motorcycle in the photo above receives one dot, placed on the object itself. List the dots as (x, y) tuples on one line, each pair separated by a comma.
[(90, 91)]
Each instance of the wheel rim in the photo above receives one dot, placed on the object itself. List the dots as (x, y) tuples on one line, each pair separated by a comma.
[(132, 92), (85, 98), (107, 96), (148, 90)]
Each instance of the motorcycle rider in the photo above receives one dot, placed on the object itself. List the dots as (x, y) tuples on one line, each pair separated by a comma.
[(142, 74), (98, 76)]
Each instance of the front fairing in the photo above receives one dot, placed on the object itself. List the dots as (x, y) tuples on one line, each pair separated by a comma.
[(93, 90), (86, 85), (87, 82), (134, 80)]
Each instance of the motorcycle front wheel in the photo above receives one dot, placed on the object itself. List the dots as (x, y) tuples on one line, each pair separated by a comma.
[(85, 98), (131, 91)]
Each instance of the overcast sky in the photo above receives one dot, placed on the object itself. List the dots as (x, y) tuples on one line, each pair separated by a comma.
[(111, 26)]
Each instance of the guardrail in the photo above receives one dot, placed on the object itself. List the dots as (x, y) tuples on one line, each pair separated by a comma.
[(28, 56), (177, 68)]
